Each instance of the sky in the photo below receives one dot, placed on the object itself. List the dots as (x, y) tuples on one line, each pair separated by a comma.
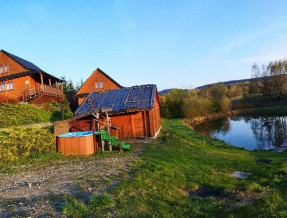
[(173, 44)]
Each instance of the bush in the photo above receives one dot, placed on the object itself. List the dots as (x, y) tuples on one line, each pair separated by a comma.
[(55, 108), (25, 142), (19, 114)]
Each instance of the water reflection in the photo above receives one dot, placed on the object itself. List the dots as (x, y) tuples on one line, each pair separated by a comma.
[(249, 132)]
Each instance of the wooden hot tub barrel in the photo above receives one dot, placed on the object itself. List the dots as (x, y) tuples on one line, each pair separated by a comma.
[(76, 143)]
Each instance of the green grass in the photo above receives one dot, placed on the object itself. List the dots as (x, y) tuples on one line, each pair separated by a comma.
[(24, 114), (174, 166), (182, 161)]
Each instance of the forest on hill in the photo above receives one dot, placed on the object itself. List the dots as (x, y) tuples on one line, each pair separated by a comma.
[(267, 88)]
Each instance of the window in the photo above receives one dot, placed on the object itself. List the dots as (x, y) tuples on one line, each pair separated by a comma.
[(11, 85), (2, 87), (6, 68), (101, 85), (96, 85), (1, 69)]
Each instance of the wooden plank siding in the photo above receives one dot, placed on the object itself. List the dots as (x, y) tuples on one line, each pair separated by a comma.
[(97, 76), (24, 82)]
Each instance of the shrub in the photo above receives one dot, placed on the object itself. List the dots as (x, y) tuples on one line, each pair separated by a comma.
[(25, 142), (19, 114), (55, 108)]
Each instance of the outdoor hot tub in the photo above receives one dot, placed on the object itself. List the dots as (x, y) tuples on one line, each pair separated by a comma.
[(76, 143)]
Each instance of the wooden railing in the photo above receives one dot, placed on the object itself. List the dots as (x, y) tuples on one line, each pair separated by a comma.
[(45, 90)]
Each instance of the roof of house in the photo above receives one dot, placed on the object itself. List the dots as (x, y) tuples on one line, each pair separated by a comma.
[(27, 73), (119, 100), (99, 70), (32, 68), (26, 64)]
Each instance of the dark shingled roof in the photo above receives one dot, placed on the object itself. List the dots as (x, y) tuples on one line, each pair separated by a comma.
[(32, 69), (119, 100), (26, 64)]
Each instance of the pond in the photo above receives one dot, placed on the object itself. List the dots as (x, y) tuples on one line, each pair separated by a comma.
[(249, 131)]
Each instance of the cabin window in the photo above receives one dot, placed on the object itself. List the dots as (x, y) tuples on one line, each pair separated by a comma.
[(101, 85), (1, 69), (96, 85), (10, 85), (6, 68), (2, 87)]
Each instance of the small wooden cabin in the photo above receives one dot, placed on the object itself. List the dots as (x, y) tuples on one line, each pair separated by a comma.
[(22, 81), (135, 110), (97, 82)]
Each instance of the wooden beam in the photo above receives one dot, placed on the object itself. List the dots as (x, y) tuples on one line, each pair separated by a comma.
[(42, 81), (57, 86), (50, 83)]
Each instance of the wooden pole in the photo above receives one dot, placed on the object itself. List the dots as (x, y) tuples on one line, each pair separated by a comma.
[(94, 134), (42, 81), (57, 86), (50, 83), (62, 85), (62, 112), (120, 139)]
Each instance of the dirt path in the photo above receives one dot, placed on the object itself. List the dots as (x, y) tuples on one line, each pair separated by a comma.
[(39, 192)]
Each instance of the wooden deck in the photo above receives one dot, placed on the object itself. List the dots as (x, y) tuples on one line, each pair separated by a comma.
[(43, 90)]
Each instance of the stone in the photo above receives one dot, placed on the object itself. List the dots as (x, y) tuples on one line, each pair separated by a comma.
[(204, 193), (240, 174), (264, 161)]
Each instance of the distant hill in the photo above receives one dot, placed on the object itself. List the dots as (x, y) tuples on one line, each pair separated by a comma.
[(231, 82), (164, 92)]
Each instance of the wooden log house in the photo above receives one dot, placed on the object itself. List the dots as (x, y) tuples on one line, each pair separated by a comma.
[(135, 111), (22, 81), (97, 82)]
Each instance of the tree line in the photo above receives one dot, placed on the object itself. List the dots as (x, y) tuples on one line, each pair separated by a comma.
[(180, 103), (273, 80)]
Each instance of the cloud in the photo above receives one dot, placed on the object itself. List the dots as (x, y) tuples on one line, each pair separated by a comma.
[(264, 58), (248, 38), (282, 36)]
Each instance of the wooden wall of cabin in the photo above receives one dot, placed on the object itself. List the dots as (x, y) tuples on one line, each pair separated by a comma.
[(154, 117), (13, 66), (19, 84), (138, 124), (96, 77)]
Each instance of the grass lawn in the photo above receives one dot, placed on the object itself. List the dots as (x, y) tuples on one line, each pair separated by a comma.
[(179, 163), (174, 167)]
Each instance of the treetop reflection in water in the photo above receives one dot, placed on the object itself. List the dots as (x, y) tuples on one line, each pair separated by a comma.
[(249, 132)]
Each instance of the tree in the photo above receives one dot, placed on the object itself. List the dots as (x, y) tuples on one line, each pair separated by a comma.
[(70, 92)]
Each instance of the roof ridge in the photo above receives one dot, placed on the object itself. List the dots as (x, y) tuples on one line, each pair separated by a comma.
[(24, 63), (99, 70)]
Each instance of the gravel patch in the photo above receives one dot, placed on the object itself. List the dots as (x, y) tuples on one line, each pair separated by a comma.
[(41, 192)]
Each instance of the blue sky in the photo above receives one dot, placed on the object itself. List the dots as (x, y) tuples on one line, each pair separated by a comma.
[(174, 44)]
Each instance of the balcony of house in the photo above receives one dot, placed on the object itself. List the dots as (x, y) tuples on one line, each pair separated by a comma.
[(42, 90), (43, 87)]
